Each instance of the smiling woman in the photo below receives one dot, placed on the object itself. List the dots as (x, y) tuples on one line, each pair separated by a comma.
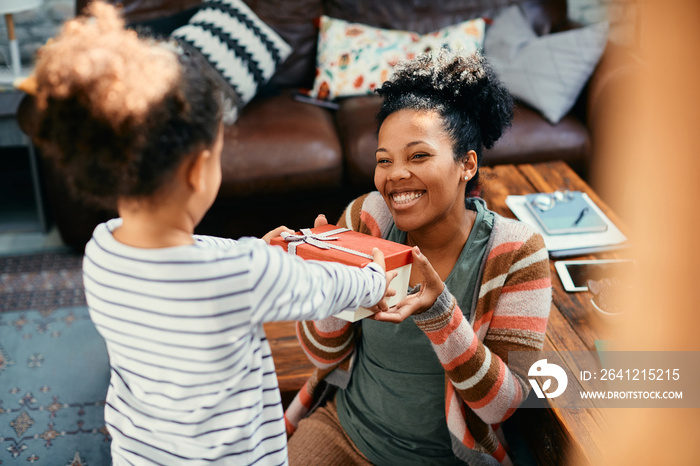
[(480, 288), (423, 185), (421, 182)]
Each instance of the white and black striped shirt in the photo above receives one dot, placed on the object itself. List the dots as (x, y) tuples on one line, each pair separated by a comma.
[(192, 378)]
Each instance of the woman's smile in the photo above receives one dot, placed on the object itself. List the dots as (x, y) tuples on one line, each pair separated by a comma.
[(417, 173), (406, 199)]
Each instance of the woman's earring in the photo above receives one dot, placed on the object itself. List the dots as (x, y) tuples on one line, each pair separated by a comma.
[(466, 178)]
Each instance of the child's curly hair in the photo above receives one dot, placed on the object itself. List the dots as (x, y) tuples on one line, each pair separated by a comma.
[(118, 114), (475, 106)]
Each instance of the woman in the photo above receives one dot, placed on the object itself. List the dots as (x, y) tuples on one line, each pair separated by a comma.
[(430, 389)]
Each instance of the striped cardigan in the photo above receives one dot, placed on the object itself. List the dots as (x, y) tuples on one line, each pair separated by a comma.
[(509, 313)]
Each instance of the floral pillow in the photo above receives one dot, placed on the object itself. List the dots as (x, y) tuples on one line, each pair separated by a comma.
[(354, 59)]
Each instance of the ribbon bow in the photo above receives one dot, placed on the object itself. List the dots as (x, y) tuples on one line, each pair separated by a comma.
[(320, 240)]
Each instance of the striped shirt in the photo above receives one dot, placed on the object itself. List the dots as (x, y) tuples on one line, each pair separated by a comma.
[(192, 377)]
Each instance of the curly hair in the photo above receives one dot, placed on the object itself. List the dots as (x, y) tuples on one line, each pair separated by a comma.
[(474, 105), (117, 114)]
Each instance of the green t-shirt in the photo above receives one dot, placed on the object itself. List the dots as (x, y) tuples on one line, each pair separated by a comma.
[(394, 406)]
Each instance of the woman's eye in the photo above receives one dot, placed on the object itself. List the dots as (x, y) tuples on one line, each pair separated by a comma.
[(420, 155), (382, 161)]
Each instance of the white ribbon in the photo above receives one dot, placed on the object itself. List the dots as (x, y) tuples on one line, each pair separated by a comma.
[(320, 240)]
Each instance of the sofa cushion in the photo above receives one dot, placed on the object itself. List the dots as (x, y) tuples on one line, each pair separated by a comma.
[(425, 16), (354, 59), (239, 46), (546, 72), (357, 128), (530, 139), (279, 145)]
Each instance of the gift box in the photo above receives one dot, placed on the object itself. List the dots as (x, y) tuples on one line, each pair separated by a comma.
[(333, 244)]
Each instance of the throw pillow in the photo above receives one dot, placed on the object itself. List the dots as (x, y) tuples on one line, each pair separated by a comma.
[(546, 72), (354, 59), (243, 50)]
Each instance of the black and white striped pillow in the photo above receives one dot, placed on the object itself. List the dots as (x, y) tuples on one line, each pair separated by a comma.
[(243, 50)]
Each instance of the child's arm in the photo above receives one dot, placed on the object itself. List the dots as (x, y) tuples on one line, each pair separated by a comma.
[(288, 288)]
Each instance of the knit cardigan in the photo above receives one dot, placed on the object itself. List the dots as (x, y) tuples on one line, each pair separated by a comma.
[(509, 313)]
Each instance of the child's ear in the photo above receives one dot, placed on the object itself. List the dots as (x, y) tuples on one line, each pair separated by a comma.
[(196, 178)]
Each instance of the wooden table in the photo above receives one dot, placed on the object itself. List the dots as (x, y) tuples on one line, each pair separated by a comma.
[(556, 435)]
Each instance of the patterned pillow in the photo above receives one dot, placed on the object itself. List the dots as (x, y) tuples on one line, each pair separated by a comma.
[(243, 50), (546, 72), (354, 59)]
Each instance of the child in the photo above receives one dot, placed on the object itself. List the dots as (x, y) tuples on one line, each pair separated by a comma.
[(192, 378)]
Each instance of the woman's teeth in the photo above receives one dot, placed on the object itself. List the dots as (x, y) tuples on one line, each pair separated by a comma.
[(404, 198)]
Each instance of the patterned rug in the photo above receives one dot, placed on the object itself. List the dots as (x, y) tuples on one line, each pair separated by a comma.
[(54, 370)]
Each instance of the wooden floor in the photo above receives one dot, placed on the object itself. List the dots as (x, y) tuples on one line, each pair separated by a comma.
[(292, 366)]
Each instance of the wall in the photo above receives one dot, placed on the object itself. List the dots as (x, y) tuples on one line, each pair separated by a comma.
[(34, 27)]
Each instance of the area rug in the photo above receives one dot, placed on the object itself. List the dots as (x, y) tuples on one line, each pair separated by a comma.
[(54, 370)]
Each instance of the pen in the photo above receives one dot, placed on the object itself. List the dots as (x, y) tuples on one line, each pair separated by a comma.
[(584, 211)]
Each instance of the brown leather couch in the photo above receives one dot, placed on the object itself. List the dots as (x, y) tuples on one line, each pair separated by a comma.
[(284, 161)]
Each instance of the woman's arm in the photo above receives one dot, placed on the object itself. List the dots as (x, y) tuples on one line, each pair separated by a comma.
[(326, 342), (518, 303)]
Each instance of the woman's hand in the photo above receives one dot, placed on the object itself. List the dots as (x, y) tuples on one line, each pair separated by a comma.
[(275, 233), (430, 289)]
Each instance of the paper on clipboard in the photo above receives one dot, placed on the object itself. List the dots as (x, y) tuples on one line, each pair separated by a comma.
[(578, 243)]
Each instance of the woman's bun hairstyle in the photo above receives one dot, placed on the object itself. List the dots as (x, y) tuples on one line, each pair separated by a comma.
[(118, 113), (475, 106)]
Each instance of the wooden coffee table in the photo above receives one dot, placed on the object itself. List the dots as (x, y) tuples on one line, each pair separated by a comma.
[(556, 435)]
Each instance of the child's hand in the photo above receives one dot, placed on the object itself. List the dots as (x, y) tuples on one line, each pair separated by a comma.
[(419, 302), (319, 222), (275, 233), (382, 306)]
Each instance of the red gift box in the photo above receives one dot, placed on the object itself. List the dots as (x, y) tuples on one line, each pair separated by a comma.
[(334, 244)]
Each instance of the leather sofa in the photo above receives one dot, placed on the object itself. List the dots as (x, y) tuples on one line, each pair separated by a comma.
[(284, 161)]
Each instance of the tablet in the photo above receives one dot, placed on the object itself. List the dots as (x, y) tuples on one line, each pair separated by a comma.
[(575, 273), (574, 213)]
